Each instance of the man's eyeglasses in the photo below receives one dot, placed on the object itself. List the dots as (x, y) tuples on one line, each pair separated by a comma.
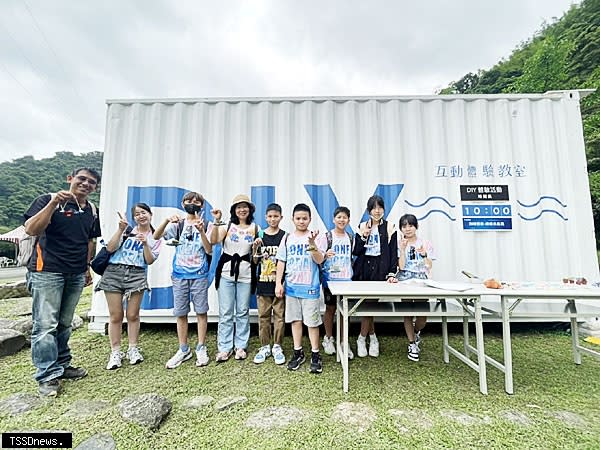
[(83, 178)]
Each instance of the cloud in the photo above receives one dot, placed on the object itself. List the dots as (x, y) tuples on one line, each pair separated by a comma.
[(61, 60)]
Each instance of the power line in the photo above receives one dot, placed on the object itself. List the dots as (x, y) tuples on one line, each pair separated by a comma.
[(39, 72), (16, 80), (57, 59)]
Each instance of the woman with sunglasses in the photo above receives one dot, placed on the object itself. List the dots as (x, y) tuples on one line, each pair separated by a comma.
[(126, 276)]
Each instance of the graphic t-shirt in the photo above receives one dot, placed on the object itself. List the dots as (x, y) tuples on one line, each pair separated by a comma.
[(267, 267), (413, 261), (301, 272), (239, 240), (339, 266), (373, 245), (131, 252), (189, 261)]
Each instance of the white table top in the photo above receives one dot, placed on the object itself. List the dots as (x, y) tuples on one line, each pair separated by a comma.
[(375, 289)]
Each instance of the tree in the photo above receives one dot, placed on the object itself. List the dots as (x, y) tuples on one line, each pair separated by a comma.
[(23, 179), (546, 69)]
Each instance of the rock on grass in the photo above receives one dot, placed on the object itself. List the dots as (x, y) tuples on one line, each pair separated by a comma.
[(148, 410), (11, 341), (275, 417), (20, 403), (100, 441), (357, 415)]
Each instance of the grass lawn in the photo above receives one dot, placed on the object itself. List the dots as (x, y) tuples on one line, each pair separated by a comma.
[(558, 402)]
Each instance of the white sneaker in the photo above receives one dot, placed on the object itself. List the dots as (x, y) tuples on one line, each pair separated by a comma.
[(373, 346), (263, 353), (329, 345), (114, 360), (134, 356), (202, 358), (350, 354), (413, 351), (178, 358), (278, 355), (418, 338), (361, 346)]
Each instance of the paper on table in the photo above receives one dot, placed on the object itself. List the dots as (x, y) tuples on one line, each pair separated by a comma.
[(448, 286), (413, 281)]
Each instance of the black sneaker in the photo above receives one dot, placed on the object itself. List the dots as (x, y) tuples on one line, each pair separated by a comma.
[(49, 388), (296, 360), (73, 373), (316, 363)]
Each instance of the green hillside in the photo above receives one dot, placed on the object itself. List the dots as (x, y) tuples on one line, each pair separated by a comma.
[(23, 179), (562, 55)]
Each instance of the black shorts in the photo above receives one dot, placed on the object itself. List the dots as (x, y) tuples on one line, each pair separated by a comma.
[(329, 298)]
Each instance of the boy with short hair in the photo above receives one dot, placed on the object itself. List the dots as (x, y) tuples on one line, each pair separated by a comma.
[(191, 264), (299, 256), (268, 302), (336, 267)]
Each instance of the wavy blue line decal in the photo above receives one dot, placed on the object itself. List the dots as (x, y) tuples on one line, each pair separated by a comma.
[(435, 197), (543, 197), (437, 211), (544, 211)]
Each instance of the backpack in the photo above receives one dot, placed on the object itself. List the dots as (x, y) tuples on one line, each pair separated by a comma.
[(26, 246), (27, 243), (329, 236), (178, 233)]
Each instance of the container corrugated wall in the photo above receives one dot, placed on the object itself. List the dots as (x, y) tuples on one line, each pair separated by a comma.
[(417, 151)]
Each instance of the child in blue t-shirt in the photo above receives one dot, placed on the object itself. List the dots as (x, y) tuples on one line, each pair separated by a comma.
[(336, 267), (190, 274), (299, 256), (133, 250)]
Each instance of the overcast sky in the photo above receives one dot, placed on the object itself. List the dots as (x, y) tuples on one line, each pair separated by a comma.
[(61, 59)]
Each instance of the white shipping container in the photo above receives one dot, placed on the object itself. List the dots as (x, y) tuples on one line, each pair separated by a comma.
[(524, 214)]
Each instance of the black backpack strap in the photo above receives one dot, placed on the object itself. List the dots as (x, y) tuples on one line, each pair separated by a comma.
[(226, 231), (351, 237)]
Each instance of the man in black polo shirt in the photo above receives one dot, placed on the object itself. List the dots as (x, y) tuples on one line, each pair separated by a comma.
[(65, 224)]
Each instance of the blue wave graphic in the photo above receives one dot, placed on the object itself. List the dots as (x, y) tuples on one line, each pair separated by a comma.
[(435, 197), (549, 197), (544, 211), (437, 211)]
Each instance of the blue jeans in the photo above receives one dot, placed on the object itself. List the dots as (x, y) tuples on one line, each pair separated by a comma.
[(234, 306), (55, 296)]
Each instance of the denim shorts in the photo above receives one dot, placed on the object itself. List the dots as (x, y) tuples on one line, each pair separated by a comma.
[(186, 291), (306, 310), (124, 279)]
